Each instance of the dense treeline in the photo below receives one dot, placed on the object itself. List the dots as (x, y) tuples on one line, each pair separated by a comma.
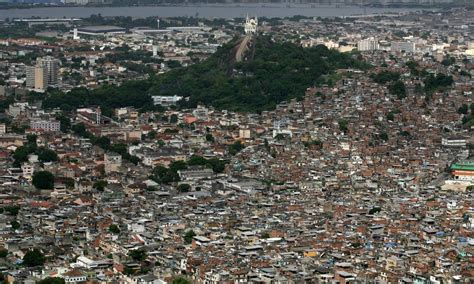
[(131, 93), (279, 71)]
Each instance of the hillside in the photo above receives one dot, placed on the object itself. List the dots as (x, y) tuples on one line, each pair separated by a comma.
[(277, 71)]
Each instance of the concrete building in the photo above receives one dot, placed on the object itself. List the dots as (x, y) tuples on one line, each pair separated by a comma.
[(405, 46), (166, 100), (36, 78), (45, 125), (368, 44), (51, 66), (112, 162)]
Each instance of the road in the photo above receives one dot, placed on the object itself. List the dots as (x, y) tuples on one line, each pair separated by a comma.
[(243, 47)]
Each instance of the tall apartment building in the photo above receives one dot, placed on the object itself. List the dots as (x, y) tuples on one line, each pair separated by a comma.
[(368, 44), (43, 74), (36, 78), (51, 65)]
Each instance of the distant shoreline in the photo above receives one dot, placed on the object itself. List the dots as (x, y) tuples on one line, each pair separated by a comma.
[(245, 5)]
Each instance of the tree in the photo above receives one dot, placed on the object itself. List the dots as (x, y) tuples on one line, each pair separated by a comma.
[(374, 210), (398, 89), (188, 236), (235, 148), (138, 254), (151, 134), (100, 185), (173, 118), (80, 129), (342, 125), (114, 229), (46, 155), (464, 109), (51, 280), (33, 257), (15, 225), (21, 155), (65, 122), (181, 280), (184, 187), (43, 180), (12, 210), (165, 175), (209, 137), (3, 253)]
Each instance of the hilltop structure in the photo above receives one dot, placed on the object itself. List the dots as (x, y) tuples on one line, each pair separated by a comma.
[(250, 26)]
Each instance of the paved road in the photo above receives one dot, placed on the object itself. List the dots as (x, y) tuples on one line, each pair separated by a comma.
[(242, 49)]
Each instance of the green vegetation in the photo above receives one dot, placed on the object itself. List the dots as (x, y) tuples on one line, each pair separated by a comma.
[(404, 133), (217, 165), (114, 229), (181, 280), (138, 254), (3, 253), (343, 125), (130, 93), (188, 236), (385, 77), (52, 280), (100, 185), (46, 155), (464, 109), (33, 257), (398, 88), (374, 210), (265, 235), (15, 225), (184, 187), (235, 147), (166, 175), (11, 210), (468, 119), (391, 115), (209, 137), (277, 72), (435, 83), (43, 180)]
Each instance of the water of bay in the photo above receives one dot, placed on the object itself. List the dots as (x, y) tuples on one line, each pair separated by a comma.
[(206, 11)]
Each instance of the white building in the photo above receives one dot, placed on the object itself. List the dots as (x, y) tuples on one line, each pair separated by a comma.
[(45, 125), (166, 100), (250, 26), (454, 142), (368, 44), (406, 46)]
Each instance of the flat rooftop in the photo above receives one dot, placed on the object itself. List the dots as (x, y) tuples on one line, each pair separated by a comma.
[(100, 29)]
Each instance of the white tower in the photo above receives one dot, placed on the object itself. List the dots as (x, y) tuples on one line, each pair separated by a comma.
[(158, 23), (75, 36), (155, 50)]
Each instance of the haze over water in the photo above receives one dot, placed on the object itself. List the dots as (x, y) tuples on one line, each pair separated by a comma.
[(206, 11)]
